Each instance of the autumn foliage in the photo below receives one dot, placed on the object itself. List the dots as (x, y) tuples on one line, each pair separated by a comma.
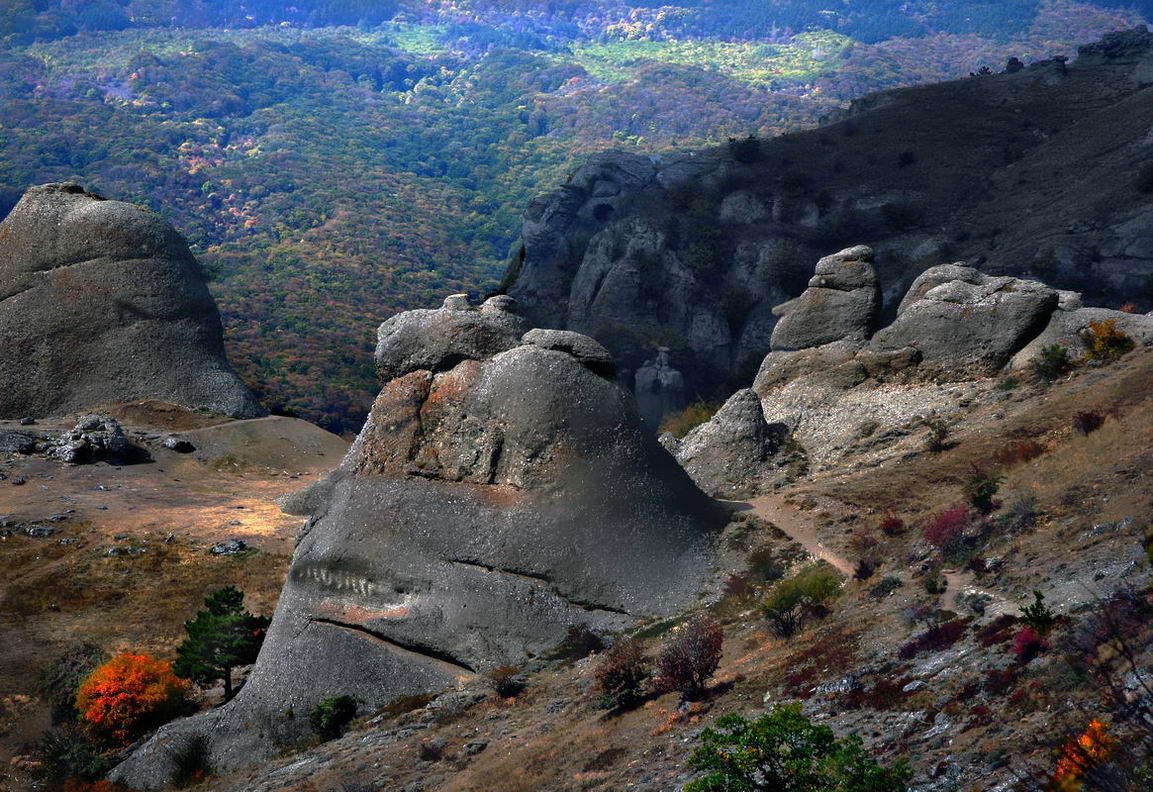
[(130, 694), (1079, 757)]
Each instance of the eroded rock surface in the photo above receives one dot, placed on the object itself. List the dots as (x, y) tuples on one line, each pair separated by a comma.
[(500, 492), (841, 303), (101, 302)]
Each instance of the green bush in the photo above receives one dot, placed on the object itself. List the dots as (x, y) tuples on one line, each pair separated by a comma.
[(1052, 363), (1038, 615), (785, 752), (980, 490), (331, 716), (806, 592), (886, 587), (938, 435), (61, 678), (68, 751)]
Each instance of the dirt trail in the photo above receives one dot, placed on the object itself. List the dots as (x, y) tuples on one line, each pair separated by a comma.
[(798, 527)]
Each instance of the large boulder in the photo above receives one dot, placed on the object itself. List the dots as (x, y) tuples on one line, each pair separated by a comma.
[(963, 322), (101, 302), (1071, 323), (727, 454), (842, 302), (486, 507)]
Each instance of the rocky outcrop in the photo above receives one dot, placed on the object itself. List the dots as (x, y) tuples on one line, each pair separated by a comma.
[(503, 489), (731, 452), (842, 302), (1070, 324), (659, 388), (694, 254), (964, 323), (101, 302)]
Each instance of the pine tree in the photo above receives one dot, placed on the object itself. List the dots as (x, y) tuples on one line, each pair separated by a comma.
[(220, 638)]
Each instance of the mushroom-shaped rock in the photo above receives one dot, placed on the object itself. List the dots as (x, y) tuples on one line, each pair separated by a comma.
[(728, 453), (101, 302), (841, 303), (585, 349), (437, 340), (488, 505), (967, 323)]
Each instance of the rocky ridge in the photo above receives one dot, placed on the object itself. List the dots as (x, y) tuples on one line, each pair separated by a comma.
[(693, 252)]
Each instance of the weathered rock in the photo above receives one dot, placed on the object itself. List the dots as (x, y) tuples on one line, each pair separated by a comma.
[(101, 302), (659, 388), (15, 441), (841, 303), (484, 509), (95, 437), (585, 349), (437, 340), (727, 454), (963, 322), (178, 444), (1070, 323), (231, 547)]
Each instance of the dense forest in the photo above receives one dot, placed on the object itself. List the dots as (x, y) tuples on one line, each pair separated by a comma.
[(336, 161)]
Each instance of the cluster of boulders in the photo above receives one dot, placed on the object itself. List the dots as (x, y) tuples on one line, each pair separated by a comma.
[(95, 437), (101, 302), (502, 491)]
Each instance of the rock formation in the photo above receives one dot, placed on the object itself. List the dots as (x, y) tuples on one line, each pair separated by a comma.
[(101, 302), (841, 303), (502, 490), (659, 388), (693, 253), (728, 454)]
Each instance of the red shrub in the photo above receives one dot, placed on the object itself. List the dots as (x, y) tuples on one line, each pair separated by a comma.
[(892, 525), (1018, 452), (690, 657), (944, 530), (622, 675), (999, 681), (1027, 644)]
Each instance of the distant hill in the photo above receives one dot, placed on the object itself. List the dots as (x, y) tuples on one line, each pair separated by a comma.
[(338, 163)]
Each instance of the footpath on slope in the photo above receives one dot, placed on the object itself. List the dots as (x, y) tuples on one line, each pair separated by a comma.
[(798, 527)]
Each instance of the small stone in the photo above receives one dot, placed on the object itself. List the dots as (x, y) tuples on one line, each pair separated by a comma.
[(18, 482), (231, 547), (39, 531), (178, 444), (475, 747), (914, 686), (27, 420)]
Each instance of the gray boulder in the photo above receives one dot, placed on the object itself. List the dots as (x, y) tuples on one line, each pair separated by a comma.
[(841, 303), (963, 322), (94, 437), (585, 349), (728, 453), (1070, 323), (484, 509), (101, 302)]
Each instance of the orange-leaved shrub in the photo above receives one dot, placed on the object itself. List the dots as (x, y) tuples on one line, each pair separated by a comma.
[(1081, 756), (129, 695), (1104, 341)]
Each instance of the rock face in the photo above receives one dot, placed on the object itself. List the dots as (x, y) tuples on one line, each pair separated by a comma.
[(962, 321), (100, 303), (494, 498), (693, 253), (728, 454), (841, 303)]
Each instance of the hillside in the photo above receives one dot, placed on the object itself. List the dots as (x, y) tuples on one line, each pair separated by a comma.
[(326, 174)]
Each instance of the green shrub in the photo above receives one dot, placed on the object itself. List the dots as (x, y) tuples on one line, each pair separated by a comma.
[(806, 592), (1038, 615), (937, 438), (886, 587), (330, 717), (622, 676), (68, 751), (1052, 363), (980, 490), (785, 752), (682, 422)]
